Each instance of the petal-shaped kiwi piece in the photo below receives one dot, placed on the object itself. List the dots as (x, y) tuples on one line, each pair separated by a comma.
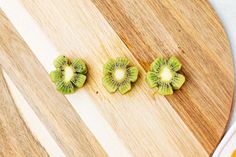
[(165, 89), (156, 65), (124, 88), (178, 81), (79, 80), (109, 84), (132, 73), (56, 76), (152, 79), (122, 62), (174, 63), (60, 62), (65, 87), (79, 66), (117, 73), (109, 66)]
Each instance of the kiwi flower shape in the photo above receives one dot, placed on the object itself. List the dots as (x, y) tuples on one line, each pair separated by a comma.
[(163, 75), (69, 75), (118, 75)]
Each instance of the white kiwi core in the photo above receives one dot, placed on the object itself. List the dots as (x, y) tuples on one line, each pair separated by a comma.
[(166, 74), (68, 73), (119, 74)]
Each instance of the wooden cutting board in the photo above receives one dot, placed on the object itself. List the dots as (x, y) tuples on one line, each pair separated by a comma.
[(93, 122)]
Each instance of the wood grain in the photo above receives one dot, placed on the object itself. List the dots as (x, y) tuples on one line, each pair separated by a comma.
[(189, 123), (61, 120), (204, 102), (191, 31), (15, 137)]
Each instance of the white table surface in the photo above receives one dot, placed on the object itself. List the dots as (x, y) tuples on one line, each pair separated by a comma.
[(226, 10)]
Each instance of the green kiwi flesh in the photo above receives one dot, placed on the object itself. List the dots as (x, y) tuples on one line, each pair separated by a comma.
[(118, 75), (68, 76), (163, 75)]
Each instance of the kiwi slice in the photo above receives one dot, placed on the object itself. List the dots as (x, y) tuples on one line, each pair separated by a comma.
[(69, 75), (60, 62), (118, 75), (163, 75)]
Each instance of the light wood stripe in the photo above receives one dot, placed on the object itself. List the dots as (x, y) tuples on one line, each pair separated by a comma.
[(15, 137), (88, 113), (61, 120), (191, 31), (89, 36), (32, 121)]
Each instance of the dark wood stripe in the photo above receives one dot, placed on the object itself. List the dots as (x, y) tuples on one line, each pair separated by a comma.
[(203, 107)]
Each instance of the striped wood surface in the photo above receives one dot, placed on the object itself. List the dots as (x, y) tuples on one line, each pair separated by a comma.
[(61, 120), (189, 123), (15, 138)]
